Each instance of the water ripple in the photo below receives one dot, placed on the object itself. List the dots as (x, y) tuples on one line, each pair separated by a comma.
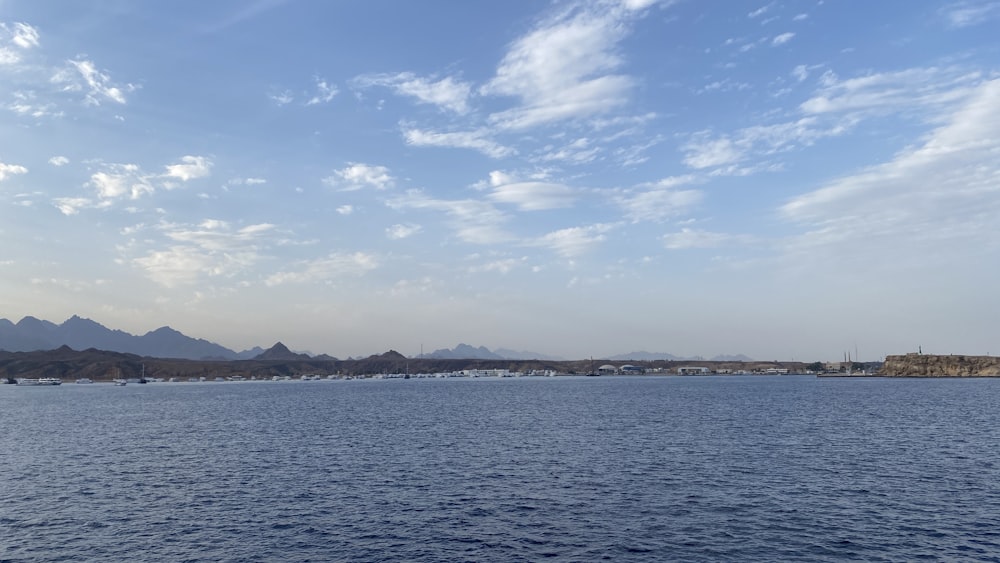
[(564, 469)]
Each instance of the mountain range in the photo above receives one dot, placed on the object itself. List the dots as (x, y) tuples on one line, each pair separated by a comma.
[(31, 334), (467, 352)]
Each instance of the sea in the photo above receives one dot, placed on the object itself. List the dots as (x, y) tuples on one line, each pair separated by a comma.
[(654, 468)]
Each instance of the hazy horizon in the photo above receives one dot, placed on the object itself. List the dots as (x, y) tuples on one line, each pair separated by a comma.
[(789, 180)]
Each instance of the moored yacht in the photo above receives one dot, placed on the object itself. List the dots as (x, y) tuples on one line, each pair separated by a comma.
[(39, 381)]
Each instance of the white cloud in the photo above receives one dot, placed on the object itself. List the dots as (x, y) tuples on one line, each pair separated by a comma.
[(9, 56), (20, 37), (475, 140), (574, 241), (659, 201), (800, 17), (24, 36), (118, 180), (969, 13), (932, 202), (474, 222), (447, 93), (892, 91), (25, 103), (326, 269), (58, 161), (782, 39), (324, 93), (704, 151), (210, 249), (175, 266), (760, 11), (245, 182), (282, 98), (397, 232), (345, 209), (580, 151), (564, 68), (190, 168), (357, 175), (98, 84), (725, 85), (8, 170), (534, 196), (70, 205)]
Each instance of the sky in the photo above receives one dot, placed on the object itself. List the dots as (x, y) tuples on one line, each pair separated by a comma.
[(789, 180)]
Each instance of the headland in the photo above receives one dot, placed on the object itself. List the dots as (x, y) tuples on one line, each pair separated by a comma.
[(931, 365)]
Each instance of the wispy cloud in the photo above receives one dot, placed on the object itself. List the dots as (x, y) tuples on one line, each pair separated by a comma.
[(574, 241), (478, 140), (970, 13), (401, 231), (446, 93), (892, 91), (327, 268), (534, 196), (71, 205), (565, 68), (82, 75), (659, 201), (761, 11), (695, 238), (14, 40), (940, 198), (210, 249), (782, 39), (358, 175), (282, 98), (323, 93), (474, 222), (246, 11)]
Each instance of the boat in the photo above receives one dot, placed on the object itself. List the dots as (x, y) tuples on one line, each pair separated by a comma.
[(120, 382), (83, 380), (39, 381)]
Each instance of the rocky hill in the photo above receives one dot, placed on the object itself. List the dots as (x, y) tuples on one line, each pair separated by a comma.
[(281, 352), (929, 365)]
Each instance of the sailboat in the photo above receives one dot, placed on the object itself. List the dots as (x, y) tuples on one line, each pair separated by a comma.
[(120, 381)]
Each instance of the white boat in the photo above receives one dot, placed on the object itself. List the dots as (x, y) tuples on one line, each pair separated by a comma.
[(120, 382), (83, 380), (39, 381)]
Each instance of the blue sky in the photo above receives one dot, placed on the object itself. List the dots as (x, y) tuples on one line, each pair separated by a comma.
[(785, 180)]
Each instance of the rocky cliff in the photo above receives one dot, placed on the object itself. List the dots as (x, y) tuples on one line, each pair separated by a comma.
[(928, 365)]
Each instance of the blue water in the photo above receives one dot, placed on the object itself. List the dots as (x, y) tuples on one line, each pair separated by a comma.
[(564, 469)]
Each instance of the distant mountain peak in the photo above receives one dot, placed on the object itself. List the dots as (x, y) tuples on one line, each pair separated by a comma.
[(392, 355), (164, 330), (280, 352), (467, 352)]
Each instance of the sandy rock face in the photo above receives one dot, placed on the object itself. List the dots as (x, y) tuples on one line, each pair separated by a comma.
[(928, 365)]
